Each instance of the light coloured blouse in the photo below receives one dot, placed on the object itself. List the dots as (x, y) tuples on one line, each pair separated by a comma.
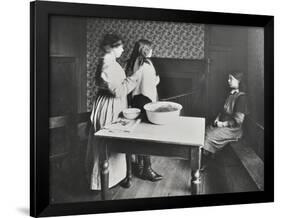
[(114, 76), (147, 82), (113, 87)]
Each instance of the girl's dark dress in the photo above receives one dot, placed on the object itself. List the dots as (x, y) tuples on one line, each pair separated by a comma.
[(234, 108)]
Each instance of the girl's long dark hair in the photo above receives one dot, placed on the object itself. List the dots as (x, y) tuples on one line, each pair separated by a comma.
[(242, 80), (138, 56)]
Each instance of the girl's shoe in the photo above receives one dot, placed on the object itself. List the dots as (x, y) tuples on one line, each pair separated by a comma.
[(151, 175)]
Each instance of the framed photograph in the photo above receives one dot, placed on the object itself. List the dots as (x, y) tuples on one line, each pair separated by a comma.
[(141, 109)]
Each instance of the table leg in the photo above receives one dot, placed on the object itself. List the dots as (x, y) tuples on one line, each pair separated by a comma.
[(129, 169), (195, 162), (126, 183), (104, 173)]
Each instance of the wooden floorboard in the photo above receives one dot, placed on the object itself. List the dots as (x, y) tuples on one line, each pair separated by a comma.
[(175, 181), (236, 178), (224, 174)]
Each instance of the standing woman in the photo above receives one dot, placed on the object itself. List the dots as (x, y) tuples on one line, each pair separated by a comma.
[(145, 92), (227, 127), (111, 99)]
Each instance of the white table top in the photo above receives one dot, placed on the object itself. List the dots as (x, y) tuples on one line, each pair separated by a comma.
[(184, 131)]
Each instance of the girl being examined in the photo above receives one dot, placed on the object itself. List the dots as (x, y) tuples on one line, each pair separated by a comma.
[(145, 92)]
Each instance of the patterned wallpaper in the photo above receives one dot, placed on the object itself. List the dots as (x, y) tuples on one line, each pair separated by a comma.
[(170, 40)]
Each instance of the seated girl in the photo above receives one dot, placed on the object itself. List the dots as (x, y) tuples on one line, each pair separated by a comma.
[(227, 127)]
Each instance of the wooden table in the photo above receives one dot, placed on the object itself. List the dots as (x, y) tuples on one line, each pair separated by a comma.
[(182, 138)]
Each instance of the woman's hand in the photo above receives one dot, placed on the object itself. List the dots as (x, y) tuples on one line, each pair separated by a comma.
[(216, 121), (219, 124), (136, 75), (222, 124)]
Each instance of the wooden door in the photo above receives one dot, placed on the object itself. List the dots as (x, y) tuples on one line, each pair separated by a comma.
[(217, 79), (226, 50), (63, 100), (63, 86)]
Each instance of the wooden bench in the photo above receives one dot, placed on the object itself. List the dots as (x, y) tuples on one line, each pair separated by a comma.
[(71, 141), (251, 161)]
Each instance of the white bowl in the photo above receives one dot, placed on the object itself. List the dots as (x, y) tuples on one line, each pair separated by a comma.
[(162, 112), (131, 113)]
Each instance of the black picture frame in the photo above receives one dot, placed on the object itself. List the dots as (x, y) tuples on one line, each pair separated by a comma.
[(40, 11)]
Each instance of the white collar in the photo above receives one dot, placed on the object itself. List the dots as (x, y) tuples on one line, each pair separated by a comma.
[(109, 57), (233, 91)]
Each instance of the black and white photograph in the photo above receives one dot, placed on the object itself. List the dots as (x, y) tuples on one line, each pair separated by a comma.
[(140, 108), (119, 108), (183, 103)]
